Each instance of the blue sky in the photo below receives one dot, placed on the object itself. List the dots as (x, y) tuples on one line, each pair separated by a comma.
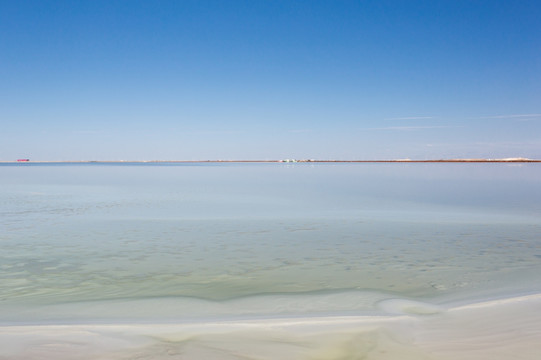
[(142, 80)]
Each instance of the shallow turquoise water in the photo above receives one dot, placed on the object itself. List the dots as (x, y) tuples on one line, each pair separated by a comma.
[(116, 243)]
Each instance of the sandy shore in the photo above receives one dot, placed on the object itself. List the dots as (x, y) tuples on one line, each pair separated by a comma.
[(507, 328)]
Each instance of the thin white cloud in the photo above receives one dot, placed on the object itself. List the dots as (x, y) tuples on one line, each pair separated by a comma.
[(405, 128), (86, 132), (300, 131), (213, 132), (411, 118), (513, 116)]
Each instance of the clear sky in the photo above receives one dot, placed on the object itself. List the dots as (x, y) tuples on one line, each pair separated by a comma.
[(143, 80)]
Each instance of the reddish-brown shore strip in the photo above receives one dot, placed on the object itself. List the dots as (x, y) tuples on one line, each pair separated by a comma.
[(289, 161)]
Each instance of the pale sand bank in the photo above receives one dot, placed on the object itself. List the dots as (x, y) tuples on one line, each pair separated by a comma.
[(499, 329)]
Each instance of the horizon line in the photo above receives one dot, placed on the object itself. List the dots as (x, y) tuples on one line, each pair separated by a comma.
[(450, 160)]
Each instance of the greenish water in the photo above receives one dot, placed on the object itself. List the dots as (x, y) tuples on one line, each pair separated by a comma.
[(90, 233)]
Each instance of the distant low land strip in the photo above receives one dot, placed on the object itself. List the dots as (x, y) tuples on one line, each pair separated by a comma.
[(504, 160)]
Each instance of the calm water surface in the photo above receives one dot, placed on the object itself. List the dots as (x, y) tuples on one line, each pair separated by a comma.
[(170, 242)]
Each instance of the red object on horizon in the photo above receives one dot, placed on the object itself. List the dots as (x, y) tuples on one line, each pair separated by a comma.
[(21, 160)]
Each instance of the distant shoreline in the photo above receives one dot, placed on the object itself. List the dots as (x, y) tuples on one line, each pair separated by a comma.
[(505, 160)]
